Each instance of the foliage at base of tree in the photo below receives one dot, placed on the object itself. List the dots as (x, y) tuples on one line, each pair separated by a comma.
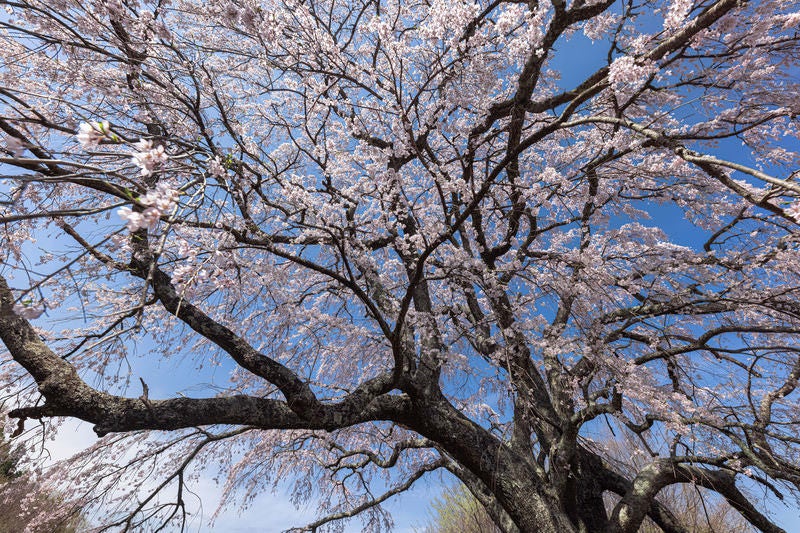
[(457, 511), (27, 506)]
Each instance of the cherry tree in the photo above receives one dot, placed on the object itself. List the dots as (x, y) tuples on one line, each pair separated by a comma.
[(417, 237)]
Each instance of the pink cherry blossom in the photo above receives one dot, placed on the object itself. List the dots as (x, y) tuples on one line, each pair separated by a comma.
[(91, 133), (148, 218), (159, 202), (15, 146), (677, 13), (162, 198), (215, 167), (627, 74), (148, 158), (794, 211), (29, 311)]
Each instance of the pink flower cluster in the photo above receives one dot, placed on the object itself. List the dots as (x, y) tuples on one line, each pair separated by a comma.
[(15, 146), (794, 211), (626, 75), (158, 201), (677, 14), (148, 158), (215, 167), (28, 311), (91, 133)]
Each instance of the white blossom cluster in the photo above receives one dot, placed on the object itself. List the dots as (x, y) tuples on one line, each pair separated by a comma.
[(15, 146), (158, 201), (91, 133), (28, 311), (148, 158), (677, 13), (626, 75), (794, 211)]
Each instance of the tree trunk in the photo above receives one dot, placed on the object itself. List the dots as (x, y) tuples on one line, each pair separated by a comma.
[(511, 477)]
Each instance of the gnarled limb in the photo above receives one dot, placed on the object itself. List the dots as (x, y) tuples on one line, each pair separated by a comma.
[(628, 514)]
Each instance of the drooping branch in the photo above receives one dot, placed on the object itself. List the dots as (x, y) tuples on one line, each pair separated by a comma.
[(373, 502)]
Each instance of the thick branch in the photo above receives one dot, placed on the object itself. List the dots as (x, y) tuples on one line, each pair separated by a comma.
[(66, 394), (631, 510)]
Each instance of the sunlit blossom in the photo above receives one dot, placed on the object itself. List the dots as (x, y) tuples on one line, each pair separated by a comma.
[(794, 211), (28, 310), (91, 133), (158, 202), (15, 146), (148, 158)]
